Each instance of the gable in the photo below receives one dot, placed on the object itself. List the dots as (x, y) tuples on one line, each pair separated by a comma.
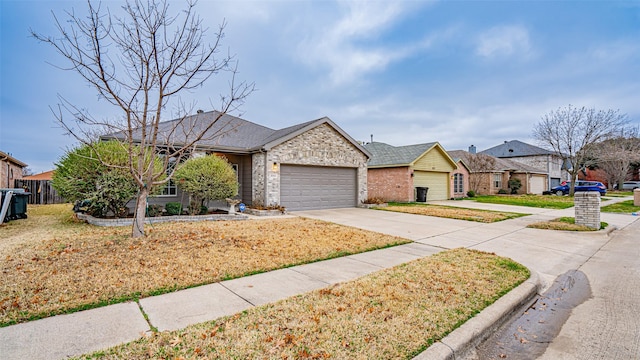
[(321, 145), (435, 159)]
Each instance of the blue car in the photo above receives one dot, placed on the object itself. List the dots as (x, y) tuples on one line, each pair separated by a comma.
[(581, 185)]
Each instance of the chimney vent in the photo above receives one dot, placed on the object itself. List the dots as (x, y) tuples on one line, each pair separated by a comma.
[(200, 111), (472, 149)]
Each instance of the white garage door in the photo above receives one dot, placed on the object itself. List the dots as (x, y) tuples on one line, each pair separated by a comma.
[(437, 183), (537, 184), (316, 187)]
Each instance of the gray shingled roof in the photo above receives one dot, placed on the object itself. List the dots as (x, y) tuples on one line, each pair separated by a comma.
[(515, 148), (384, 154), (500, 164), (228, 133)]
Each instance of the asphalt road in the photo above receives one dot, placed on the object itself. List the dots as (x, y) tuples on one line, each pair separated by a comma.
[(588, 313), (606, 326)]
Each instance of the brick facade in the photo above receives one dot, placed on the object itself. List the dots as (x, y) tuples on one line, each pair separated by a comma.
[(9, 171), (462, 170), (391, 184), (587, 208)]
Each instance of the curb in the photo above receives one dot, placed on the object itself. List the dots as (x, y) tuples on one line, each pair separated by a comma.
[(459, 343)]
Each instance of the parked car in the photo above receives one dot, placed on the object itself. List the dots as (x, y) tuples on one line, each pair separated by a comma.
[(630, 185), (581, 185)]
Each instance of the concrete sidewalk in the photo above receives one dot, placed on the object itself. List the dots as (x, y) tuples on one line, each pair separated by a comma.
[(549, 253)]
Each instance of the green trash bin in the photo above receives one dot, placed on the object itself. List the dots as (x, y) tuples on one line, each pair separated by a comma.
[(19, 205)]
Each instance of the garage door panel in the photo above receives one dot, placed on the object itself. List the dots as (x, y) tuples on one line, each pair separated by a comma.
[(437, 183), (537, 184), (314, 187)]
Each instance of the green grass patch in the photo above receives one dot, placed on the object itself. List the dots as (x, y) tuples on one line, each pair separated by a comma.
[(621, 207), (564, 223), (539, 201), (452, 212)]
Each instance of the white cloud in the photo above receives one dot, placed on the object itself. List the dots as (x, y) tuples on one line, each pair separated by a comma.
[(348, 47), (504, 41)]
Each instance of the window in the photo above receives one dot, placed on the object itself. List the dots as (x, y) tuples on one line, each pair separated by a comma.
[(497, 181), (458, 183), (170, 189)]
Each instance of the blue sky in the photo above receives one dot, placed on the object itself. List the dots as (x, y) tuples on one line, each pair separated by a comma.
[(457, 72)]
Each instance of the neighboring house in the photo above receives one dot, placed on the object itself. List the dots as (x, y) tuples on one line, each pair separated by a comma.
[(459, 177), (394, 172), (10, 170), (489, 181), (313, 165), (533, 156), (47, 175)]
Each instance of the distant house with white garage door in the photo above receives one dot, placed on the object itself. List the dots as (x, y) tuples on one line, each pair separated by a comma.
[(395, 172), (543, 160), (312, 165)]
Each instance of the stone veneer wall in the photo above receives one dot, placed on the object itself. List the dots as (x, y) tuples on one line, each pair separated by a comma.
[(320, 146), (587, 208), (257, 180)]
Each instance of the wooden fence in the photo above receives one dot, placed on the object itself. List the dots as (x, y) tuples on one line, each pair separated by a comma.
[(41, 191)]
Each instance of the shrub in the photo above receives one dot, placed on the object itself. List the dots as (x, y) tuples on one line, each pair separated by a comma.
[(503, 191), (82, 175), (173, 208), (471, 193), (154, 210), (514, 185), (374, 200), (205, 178), (204, 210)]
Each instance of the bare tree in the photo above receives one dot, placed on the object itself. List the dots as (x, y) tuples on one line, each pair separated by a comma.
[(480, 168), (615, 156), (568, 131), (139, 62)]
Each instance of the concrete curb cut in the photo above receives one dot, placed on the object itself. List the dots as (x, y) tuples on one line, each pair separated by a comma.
[(458, 343)]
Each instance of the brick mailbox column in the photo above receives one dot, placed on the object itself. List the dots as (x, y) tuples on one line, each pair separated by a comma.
[(636, 197), (587, 207)]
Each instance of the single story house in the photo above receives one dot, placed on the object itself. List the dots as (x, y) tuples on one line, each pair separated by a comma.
[(395, 172), (544, 160), (492, 177), (10, 170), (459, 177), (312, 165), (47, 175)]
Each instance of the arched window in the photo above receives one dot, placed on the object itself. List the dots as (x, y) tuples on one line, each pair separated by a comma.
[(458, 183)]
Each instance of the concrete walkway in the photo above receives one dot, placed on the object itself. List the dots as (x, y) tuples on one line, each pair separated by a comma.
[(549, 253)]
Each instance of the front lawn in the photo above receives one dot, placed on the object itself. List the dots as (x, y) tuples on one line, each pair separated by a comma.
[(452, 212), (392, 314), (539, 201), (52, 264), (564, 223), (621, 207)]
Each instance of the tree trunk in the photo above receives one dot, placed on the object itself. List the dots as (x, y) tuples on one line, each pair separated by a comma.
[(140, 212)]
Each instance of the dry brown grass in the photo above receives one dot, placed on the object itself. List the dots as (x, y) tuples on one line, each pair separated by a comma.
[(565, 224), (391, 314), (52, 265), (484, 216)]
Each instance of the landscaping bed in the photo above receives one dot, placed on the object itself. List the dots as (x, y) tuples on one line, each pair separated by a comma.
[(392, 314), (451, 212), (53, 264), (564, 223), (539, 201)]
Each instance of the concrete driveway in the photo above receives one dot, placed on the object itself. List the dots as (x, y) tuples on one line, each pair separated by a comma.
[(550, 253)]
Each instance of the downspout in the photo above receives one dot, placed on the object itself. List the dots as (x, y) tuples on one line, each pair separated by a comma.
[(549, 172)]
